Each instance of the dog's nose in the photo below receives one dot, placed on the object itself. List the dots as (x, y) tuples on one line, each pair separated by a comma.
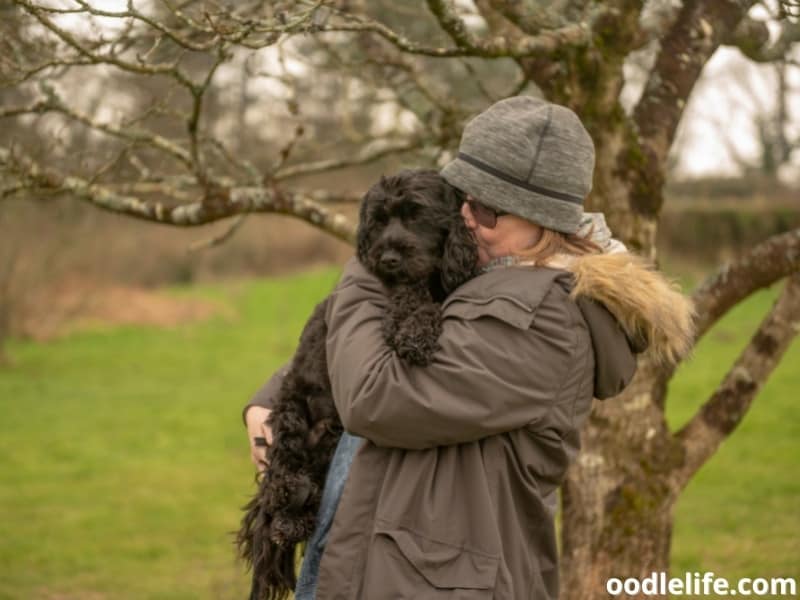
[(390, 260)]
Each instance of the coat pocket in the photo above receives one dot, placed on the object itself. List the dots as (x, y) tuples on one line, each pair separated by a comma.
[(505, 308), (403, 564)]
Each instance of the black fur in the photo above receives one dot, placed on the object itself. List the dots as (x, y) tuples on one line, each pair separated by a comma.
[(412, 237)]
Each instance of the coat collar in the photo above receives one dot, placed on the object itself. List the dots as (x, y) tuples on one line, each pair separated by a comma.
[(650, 308)]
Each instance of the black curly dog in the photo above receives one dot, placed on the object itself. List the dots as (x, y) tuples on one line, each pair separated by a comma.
[(412, 237)]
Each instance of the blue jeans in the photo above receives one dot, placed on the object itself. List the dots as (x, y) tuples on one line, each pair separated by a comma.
[(334, 484)]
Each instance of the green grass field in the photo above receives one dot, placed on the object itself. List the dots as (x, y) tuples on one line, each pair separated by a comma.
[(123, 460)]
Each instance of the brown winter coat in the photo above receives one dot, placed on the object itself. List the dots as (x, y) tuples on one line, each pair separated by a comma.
[(453, 494)]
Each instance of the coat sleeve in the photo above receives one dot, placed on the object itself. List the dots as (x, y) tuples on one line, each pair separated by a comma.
[(491, 375), (265, 396)]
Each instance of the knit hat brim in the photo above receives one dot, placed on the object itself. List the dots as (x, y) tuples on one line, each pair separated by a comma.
[(500, 194)]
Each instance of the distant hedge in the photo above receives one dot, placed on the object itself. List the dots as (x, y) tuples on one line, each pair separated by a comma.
[(714, 234)]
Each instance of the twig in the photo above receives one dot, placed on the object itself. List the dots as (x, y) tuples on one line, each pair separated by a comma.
[(219, 239)]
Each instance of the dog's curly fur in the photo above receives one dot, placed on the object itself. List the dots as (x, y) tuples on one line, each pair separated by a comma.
[(412, 237)]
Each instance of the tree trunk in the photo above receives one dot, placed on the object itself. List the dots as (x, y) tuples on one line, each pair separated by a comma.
[(617, 501), (587, 566)]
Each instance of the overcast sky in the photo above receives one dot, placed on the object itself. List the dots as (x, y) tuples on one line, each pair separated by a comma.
[(731, 92)]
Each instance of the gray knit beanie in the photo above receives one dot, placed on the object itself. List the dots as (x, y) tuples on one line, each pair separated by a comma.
[(527, 157)]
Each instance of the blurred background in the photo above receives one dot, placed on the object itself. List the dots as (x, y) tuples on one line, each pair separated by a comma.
[(128, 348)]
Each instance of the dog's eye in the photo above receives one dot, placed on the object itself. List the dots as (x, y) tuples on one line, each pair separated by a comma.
[(407, 211), (381, 217)]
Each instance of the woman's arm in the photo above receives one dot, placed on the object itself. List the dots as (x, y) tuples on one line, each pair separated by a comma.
[(265, 396), (494, 373), (255, 416)]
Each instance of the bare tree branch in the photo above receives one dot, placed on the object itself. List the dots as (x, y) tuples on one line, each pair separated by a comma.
[(529, 17), (726, 408), (132, 14), (699, 29), (193, 122), (451, 23), (27, 73), (403, 73), (657, 18), (752, 37), (789, 9), (498, 23), (54, 103), (762, 266), (220, 238), (241, 164), (286, 151), (216, 203), (544, 44), (366, 156), (141, 68), (11, 190)]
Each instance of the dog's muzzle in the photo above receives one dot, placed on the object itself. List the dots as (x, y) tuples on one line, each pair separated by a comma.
[(390, 261)]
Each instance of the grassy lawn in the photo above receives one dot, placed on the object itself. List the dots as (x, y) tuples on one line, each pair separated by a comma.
[(740, 515), (123, 461)]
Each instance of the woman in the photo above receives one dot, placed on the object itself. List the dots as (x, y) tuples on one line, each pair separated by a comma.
[(452, 495)]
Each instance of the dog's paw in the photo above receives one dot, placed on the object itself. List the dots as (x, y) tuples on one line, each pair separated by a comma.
[(416, 340), (286, 530), (417, 352)]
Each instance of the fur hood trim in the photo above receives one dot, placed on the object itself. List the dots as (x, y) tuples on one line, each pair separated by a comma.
[(647, 305)]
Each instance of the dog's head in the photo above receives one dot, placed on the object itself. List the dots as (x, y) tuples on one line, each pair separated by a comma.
[(411, 230)]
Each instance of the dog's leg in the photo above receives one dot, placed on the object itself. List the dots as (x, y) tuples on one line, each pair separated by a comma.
[(292, 493), (412, 324)]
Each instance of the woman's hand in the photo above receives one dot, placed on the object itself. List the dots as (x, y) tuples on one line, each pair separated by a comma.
[(256, 418)]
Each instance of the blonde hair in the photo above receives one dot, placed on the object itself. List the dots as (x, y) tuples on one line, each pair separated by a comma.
[(554, 243)]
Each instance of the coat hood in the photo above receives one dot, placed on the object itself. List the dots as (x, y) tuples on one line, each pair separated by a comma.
[(649, 308)]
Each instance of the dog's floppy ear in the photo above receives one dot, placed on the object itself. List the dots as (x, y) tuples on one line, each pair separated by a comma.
[(460, 256), (375, 194), (460, 253), (362, 239)]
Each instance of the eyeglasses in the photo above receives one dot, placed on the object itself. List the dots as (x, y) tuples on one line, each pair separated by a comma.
[(486, 216)]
